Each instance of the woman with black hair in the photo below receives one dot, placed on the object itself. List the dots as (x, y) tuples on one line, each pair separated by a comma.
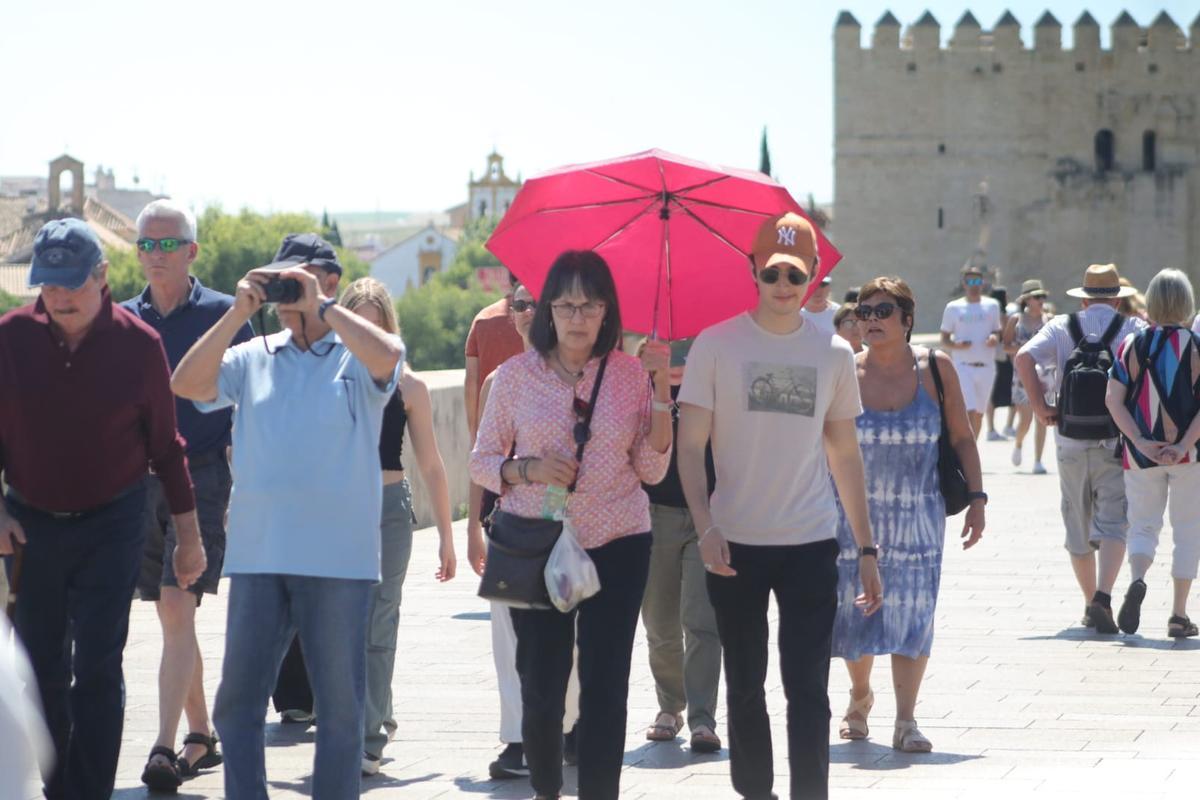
[(525, 452)]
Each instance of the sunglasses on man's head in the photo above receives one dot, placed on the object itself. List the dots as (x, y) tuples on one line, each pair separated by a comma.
[(770, 275), (521, 306), (973, 281), (169, 245), (879, 311)]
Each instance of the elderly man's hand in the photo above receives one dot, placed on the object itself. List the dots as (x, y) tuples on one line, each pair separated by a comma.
[(11, 533), (188, 559), (310, 290)]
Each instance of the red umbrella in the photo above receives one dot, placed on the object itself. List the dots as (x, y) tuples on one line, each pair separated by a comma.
[(677, 234)]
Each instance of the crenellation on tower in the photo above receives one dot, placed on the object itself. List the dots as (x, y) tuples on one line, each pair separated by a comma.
[(1164, 36), (925, 35), (847, 33), (1126, 34), (966, 33), (1006, 36), (1047, 34), (1087, 36), (887, 33)]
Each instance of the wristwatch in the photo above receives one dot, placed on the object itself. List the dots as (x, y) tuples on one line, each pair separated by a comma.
[(978, 496), (325, 304), (868, 550)]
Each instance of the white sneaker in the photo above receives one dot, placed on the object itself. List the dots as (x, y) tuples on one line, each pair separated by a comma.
[(370, 765), (995, 436), (1010, 431), (1038, 469), (1016, 457)]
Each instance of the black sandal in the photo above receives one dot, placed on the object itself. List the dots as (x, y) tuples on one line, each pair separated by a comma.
[(207, 761), (162, 777), (1181, 627)]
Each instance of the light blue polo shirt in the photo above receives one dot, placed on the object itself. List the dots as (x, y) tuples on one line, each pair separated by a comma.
[(307, 485)]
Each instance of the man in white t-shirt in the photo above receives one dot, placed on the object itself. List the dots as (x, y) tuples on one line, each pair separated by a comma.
[(778, 399), (971, 328), (819, 310)]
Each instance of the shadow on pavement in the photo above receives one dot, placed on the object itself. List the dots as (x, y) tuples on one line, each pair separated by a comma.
[(140, 792), (512, 789), (867, 755), (382, 781), (474, 616), (670, 755)]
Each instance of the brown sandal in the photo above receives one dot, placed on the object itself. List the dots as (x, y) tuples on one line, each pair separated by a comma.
[(854, 723), (665, 728)]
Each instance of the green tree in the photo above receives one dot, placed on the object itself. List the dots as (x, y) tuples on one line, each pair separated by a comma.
[(435, 318), (230, 246), (8, 302)]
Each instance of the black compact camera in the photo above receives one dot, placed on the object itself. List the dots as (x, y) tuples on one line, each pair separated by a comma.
[(282, 290)]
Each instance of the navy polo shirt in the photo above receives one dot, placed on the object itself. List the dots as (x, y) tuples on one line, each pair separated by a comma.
[(179, 330)]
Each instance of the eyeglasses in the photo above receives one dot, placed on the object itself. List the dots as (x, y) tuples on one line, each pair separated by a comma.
[(770, 275), (973, 281), (169, 245), (880, 311), (521, 306), (588, 310)]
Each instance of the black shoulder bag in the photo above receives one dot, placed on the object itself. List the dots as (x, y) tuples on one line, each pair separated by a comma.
[(951, 479), (519, 547)]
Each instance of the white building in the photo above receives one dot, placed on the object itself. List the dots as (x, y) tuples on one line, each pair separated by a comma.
[(412, 262)]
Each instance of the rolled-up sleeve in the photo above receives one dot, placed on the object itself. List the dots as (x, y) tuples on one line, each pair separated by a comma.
[(649, 464), (230, 380), (164, 444), (497, 431)]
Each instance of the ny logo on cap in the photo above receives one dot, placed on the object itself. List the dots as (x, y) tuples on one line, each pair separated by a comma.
[(55, 256), (787, 236)]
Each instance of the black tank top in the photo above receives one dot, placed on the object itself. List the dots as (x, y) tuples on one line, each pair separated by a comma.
[(391, 438)]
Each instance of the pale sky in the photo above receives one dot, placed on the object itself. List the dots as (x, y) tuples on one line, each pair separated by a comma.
[(356, 106)]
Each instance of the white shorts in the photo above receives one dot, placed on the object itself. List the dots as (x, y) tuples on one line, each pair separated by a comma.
[(976, 385)]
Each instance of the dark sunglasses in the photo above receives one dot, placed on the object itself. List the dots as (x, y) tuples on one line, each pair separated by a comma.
[(582, 432), (169, 245), (770, 275), (880, 311), (973, 281), (521, 306)]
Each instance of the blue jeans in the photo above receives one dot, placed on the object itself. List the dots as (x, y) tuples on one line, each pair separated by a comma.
[(72, 615), (330, 616)]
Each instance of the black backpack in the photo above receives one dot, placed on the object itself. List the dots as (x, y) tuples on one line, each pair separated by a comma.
[(1081, 410)]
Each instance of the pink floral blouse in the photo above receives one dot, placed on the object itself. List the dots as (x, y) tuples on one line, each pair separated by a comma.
[(530, 404)]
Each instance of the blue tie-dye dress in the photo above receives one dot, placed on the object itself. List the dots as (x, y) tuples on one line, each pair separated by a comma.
[(908, 518)]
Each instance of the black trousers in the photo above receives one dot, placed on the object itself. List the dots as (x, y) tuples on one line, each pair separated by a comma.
[(546, 640), (72, 615), (292, 689), (804, 581)]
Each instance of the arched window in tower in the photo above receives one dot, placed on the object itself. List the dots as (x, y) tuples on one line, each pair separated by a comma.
[(483, 208), (1105, 146), (1149, 148)]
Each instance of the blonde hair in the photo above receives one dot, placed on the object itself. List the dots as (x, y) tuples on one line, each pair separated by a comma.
[(369, 290), (1169, 298)]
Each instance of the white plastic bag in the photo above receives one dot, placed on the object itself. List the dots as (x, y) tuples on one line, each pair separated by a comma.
[(570, 574)]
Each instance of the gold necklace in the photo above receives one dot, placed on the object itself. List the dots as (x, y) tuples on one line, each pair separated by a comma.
[(575, 375)]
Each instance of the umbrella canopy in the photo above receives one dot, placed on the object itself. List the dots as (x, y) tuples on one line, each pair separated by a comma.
[(676, 233)]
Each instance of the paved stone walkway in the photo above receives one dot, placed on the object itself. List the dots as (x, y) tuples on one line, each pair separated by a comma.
[(1019, 700)]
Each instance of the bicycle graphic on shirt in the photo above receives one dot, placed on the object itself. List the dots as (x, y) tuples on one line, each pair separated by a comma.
[(781, 389)]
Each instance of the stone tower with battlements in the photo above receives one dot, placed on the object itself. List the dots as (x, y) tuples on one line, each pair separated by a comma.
[(1061, 157)]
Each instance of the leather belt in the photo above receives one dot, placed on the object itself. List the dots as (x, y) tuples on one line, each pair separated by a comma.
[(974, 364), (71, 516)]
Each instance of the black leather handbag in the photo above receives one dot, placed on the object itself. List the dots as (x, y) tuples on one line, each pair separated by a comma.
[(951, 479), (519, 547)]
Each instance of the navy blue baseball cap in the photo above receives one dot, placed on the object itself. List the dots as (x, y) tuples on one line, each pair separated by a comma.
[(306, 248), (65, 251)]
